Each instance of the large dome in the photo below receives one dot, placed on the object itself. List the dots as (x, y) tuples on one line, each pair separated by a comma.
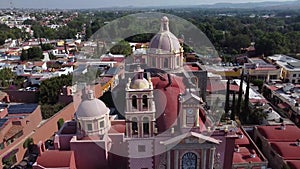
[(165, 40), (91, 108)]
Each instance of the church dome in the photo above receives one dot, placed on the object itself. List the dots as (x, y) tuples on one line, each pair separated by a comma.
[(164, 39), (139, 84), (92, 107)]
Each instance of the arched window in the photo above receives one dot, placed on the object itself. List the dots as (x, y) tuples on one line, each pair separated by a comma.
[(145, 101), (134, 126), (134, 101), (195, 81), (166, 63), (189, 161), (153, 61), (146, 125)]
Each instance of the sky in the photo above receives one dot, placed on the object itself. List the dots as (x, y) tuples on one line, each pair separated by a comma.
[(76, 4)]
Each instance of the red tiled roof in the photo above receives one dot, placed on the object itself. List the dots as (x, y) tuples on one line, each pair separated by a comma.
[(55, 159), (243, 156), (287, 150), (273, 88), (13, 131), (274, 133), (283, 105), (190, 68), (258, 101), (2, 95), (117, 128), (114, 59), (62, 48), (166, 99), (215, 86), (235, 88), (293, 164), (105, 79), (266, 68), (38, 63), (242, 141)]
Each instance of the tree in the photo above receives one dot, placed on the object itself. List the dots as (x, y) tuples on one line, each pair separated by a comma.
[(245, 115), (24, 55), (50, 88), (272, 43), (256, 116), (238, 107), (29, 22), (227, 97), (140, 38), (6, 77), (258, 82), (48, 110), (65, 32), (34, 53), (60, 123), (233, 108), (47, 46), (88, 32), (28, 142), (235, 43), (294, 38), (3, 37), (123, 48)]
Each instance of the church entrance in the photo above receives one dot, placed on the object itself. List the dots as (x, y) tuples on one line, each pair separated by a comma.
[(189, 161)]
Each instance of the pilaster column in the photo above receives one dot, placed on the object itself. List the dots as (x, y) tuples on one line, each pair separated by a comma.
[(197, 118), (127, 129), (203, 159), (169, 159), (212, 158), (184, 118), (140, 129), (176, 164)]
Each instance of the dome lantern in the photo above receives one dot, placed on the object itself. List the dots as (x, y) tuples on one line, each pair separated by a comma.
[(164, 24)]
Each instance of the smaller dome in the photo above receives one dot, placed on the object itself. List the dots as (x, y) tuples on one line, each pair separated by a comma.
[(91, 108), (139, 84)]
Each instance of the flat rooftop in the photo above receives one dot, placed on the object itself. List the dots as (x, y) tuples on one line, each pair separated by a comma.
[(21, 108)]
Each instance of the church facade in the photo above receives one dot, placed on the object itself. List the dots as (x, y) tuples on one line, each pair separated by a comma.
[(165, 124)]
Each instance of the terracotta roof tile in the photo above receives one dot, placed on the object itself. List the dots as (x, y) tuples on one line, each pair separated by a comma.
[(274, 133), (294, 164), (288, 150), (49, 159), (243, 156), (13, 131)]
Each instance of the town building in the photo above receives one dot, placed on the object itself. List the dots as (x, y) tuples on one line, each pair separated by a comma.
[(16, 123), (280, 144), (257, 68), (290, 67), (285, 96)]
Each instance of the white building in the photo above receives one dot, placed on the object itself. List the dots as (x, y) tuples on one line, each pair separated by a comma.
[(290, 67)]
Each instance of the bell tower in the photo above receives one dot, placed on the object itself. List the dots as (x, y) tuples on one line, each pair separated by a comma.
[(140, 120), (140, 106)]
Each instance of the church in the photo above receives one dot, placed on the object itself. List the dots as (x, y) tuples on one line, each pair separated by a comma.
[(164, 123)]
